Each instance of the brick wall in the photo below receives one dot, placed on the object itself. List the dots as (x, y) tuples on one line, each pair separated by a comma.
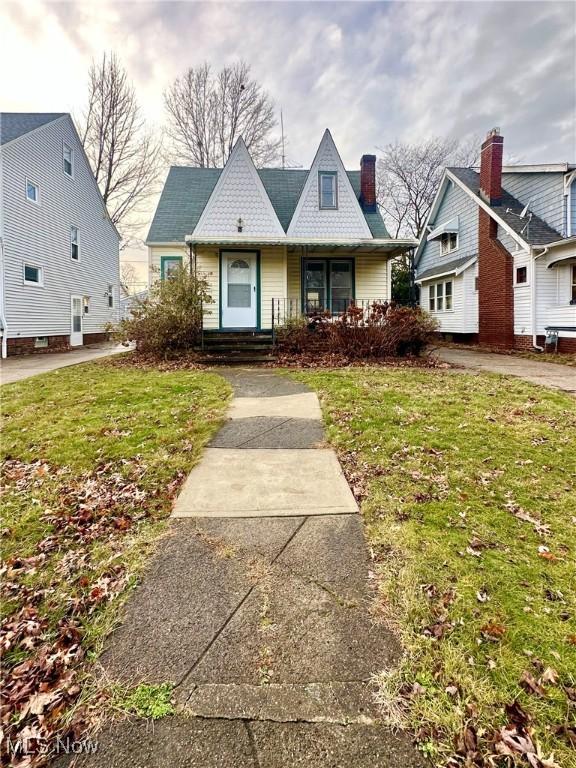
[(495, 286), (564, 344), (95, 338), (25, 346)]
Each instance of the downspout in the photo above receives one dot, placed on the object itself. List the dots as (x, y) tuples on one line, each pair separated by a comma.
[(533, 298), (2, 304)]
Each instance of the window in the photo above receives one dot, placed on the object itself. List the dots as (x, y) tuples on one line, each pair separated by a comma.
[(448, 242), (448, 295), (440, 297), (169, 265), (40, 342), (573, 293), (32, 191), (327, 187), (74, 244), (32, 275), (521, 275), (110, 296), (86, 304), (67, 159)]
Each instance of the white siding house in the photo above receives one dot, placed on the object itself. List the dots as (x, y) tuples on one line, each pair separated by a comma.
[(514, 285), (60, 251)]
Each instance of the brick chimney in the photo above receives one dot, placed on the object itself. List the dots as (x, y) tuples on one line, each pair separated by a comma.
[(491, 167), (368, 183)]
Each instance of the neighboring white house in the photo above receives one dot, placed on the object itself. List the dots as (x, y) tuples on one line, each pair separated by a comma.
[(497, 259), (59, 269), (275, 241)]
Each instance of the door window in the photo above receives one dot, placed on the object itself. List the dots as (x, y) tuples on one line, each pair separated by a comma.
[(239, 284), (77, 315)]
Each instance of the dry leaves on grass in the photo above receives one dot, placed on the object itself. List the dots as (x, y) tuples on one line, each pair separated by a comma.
[(41, 681)]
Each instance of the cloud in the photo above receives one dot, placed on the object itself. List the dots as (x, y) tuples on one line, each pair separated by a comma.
[(371, 72)]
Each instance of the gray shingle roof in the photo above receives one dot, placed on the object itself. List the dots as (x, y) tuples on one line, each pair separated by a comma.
[(445, 267), (16, 124), (537, 233), (187, 190)]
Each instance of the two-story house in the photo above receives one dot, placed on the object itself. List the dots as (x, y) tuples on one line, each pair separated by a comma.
[(275, 243), (496, 262), (59, 266)]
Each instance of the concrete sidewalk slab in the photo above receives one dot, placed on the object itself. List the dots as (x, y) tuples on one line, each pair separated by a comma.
[(192, 586), (252, 382), (269, 432), (545, 373), (311, 745), (331, 702), (264, 482), (24, 366), (303, 405)]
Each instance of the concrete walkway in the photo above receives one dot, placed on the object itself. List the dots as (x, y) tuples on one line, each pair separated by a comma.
[(552, 375), (258, 608), (23, 366)]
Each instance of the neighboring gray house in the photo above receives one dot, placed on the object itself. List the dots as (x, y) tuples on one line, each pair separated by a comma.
[(496, 262), (59, 269)]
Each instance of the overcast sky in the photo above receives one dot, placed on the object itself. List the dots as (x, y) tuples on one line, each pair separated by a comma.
[(371, 72)]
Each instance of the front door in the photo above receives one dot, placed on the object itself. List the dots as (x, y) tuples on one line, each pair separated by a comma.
[(76, 321), (239, 289)]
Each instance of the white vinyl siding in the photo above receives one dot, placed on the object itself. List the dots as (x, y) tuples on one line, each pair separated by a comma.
[(462, 317), (40, 234)]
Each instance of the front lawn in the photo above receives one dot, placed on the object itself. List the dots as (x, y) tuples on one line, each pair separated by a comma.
[(92, 457), (468, 488)]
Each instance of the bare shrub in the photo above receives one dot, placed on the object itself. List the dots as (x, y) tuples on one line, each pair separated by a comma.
[(361, 333), (169, 320)]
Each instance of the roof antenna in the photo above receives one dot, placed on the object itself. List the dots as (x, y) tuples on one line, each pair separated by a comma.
[(282, 129)]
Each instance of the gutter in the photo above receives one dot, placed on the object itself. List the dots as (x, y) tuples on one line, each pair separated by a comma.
[(533, 296), (2, 304)]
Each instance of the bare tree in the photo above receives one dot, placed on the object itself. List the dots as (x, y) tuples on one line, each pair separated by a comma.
[(123, 152), (207, 113), (409, 174), (127, 277)]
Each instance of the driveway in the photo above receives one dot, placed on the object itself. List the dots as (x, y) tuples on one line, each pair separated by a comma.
[(22, 367), (552, 375), (259, 608)]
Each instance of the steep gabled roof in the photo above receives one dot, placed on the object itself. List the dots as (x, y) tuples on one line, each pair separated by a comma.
[(537, 232), (307, 219), (239, 195), (187, 190), (13, 125)]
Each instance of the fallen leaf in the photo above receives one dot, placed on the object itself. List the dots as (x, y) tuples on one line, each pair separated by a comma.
[(530, 684)]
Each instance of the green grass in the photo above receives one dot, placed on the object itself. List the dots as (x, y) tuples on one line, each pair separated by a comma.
[(92, 457), (444, 463), (149, 701)]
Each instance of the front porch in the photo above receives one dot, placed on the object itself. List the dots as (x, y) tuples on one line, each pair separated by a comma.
[(257, 287)]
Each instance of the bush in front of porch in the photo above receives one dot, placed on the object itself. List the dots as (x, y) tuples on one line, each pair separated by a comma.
[(377, 332), (169, 321)]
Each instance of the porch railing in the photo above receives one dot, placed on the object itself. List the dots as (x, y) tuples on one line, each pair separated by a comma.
[(286, 310)]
